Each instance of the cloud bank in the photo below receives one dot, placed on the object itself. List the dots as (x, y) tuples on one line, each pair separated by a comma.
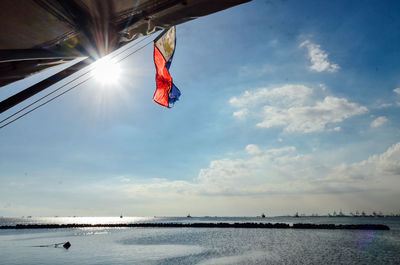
[(282, 171)]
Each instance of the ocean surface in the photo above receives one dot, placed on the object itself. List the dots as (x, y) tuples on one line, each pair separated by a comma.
[(199, 245)]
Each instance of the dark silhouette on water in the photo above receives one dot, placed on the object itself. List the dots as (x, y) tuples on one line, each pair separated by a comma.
[(65, 245), (208, 225)]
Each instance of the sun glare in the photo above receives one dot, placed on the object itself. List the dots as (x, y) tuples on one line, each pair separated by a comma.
[(107, 71)]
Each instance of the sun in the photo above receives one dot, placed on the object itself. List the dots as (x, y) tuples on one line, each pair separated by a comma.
[(106, 71)]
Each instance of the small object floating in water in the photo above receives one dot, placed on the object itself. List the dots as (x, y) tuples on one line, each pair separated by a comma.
[(263, 215), (188, 216), (120, 216), (67, 245)]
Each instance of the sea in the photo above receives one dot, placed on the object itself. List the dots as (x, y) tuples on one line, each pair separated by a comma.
[(201, 246)]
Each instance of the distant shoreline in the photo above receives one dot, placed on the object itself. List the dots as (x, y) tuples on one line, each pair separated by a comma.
[(207, 225)]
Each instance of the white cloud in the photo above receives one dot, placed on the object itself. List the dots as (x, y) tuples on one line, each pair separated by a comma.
[(378, 122), (241, 114), (296, 108), (289, 94), (397, 91), (123, 179), (384, 105), (319, 58), (382, 170), (283, 171), (279, 181), (253, 149), (309, 119)]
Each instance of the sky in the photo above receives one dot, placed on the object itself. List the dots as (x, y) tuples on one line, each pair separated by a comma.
[(287, 106)]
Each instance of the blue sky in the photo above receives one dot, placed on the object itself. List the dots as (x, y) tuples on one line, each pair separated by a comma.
[(286, 106)]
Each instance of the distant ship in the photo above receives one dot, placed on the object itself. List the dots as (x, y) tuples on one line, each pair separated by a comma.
[(375, 214), (263, 216), (121, 216), (341, 214), (296, 215), (334, 214), (188, 216), (363, 214)]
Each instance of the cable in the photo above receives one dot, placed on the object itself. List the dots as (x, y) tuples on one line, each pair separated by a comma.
[(76, 78), (24, 114), (51, 99), (40, 99)]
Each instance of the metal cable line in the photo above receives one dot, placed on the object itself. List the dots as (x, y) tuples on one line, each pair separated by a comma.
[(76, 78), (69, 82)]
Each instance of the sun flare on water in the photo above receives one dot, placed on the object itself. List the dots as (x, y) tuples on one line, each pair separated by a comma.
[(107, 72)]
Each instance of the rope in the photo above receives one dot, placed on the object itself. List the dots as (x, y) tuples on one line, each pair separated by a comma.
[(69, 82)]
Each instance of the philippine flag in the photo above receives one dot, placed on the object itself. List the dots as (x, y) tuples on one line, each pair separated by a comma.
[(164, 47)]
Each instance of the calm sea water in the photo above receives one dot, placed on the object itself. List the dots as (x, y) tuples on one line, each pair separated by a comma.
[(200, 245)]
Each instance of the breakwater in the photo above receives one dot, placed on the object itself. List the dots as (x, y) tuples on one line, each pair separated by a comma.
[(208, 225)]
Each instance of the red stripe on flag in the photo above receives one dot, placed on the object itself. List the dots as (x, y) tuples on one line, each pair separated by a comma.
[(163, 79)]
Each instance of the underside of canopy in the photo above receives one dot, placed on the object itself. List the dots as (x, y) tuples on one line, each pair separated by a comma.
[(38, 34)]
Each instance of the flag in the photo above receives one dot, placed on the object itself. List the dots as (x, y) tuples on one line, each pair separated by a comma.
[(166, 93)]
